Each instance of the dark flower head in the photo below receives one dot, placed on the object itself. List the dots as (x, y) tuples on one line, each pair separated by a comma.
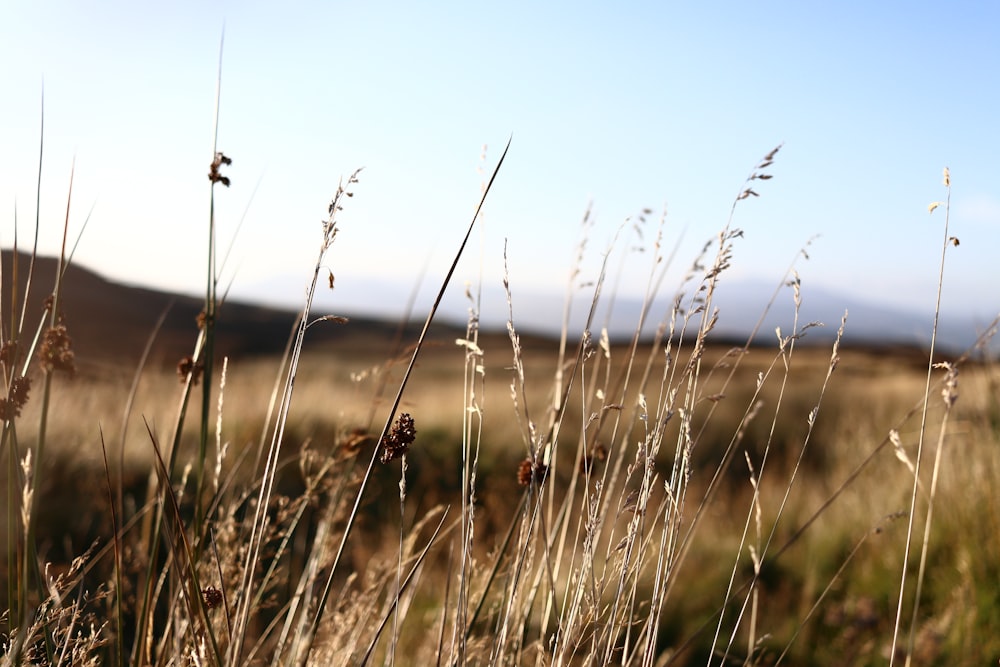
[(529, 470), (188, 366), (10, 407), (55, 352), (399, 439), (213, 174), (212, 596)]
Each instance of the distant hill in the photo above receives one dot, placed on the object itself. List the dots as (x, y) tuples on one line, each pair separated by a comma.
[(111, 322), (740, 303)]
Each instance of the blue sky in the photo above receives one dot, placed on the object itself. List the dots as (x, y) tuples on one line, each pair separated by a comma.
[(638, 105)]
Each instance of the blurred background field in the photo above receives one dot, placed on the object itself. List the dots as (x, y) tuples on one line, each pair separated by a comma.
[(850, 492)]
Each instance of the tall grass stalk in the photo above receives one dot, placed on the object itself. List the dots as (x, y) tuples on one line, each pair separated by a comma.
[(201, 364), (242, 618), (211, 306), (950, 396), (399, 394), (30, 568)]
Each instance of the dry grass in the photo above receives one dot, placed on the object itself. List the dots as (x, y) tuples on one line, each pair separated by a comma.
[(652, 502)]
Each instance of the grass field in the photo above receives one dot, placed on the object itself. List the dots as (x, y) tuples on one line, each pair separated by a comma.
[(469, 497)]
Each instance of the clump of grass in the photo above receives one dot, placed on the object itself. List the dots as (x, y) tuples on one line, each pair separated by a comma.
[(656, 505)]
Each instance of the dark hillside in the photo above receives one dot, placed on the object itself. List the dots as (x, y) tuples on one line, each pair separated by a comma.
[(111, 322)]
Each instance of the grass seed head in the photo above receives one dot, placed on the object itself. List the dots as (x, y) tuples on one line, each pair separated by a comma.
[(8, 352), (10, 407), (398, 442), (213, 175), (528, 470), (524, 472), (212, 596), (188, 366), (56, 351)]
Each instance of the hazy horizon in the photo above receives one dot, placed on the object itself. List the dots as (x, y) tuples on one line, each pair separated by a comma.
[(741, 304)]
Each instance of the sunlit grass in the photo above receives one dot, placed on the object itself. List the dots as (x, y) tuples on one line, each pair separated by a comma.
[(674, 500)]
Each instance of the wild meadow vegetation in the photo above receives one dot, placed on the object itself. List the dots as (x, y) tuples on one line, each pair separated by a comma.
[(666, 500)]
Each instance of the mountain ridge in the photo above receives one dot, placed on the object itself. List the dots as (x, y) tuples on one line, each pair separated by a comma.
[(111, 322)]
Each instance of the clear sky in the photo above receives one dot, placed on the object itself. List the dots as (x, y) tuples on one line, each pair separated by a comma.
[(659, 105)]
